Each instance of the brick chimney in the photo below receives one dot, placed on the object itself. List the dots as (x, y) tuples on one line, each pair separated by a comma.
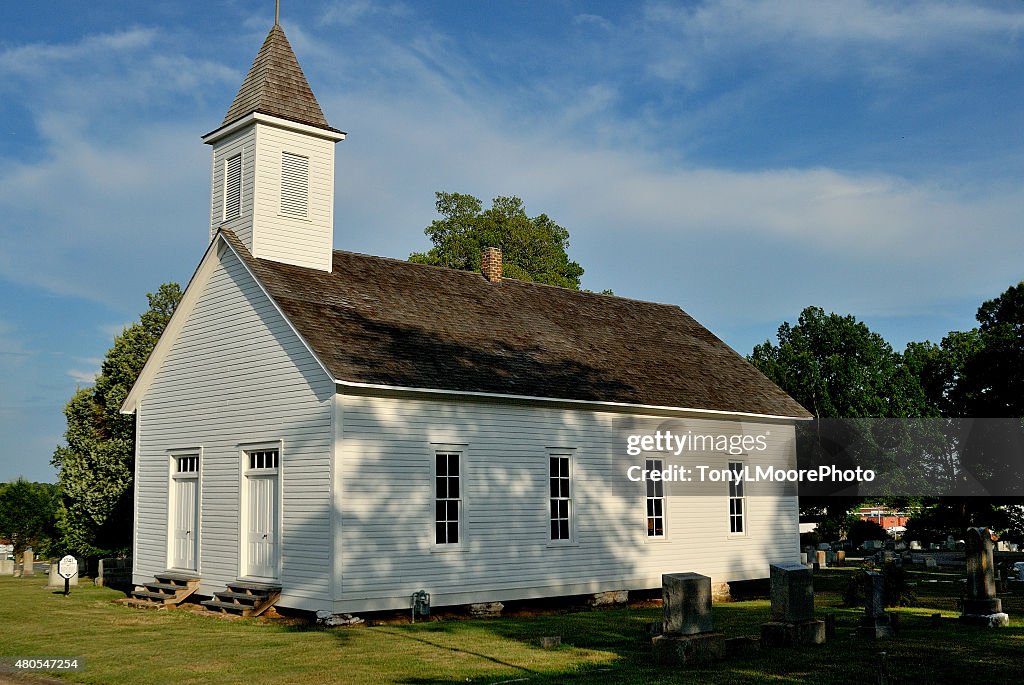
[(490, 264)]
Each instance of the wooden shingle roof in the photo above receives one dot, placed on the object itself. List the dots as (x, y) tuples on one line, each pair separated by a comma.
[(388, 322), (275, 85)]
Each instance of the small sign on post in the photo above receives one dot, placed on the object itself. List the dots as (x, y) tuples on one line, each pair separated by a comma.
[(67, 569)]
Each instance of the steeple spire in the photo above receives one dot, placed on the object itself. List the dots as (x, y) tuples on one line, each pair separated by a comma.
[(277, 12), (276, 85)]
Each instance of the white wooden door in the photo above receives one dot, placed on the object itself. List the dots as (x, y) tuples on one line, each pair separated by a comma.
[(186, 513), (262, 526)]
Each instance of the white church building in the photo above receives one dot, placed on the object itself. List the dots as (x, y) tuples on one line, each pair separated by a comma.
[(332, 430)]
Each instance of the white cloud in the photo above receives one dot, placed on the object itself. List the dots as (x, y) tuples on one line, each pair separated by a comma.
[(39, 58), (87, 377), (356, 11), (687, 42)]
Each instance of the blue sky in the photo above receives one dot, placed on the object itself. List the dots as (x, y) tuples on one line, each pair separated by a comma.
[(740, 159)]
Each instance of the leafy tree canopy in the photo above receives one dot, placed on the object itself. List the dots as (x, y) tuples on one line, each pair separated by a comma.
[(838, 368), (533, 249), (95, 466), (27, 515)]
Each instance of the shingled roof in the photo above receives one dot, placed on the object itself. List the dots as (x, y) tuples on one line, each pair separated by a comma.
[(388, 322), (276, 85)]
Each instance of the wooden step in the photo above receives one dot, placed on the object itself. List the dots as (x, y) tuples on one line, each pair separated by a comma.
[(245, 598), (242, 587), (178, 579), (251, 600), (229, 608), (145, 594), (169, 587)]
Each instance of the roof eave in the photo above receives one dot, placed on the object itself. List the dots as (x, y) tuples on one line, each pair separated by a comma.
[(252, 118), (592, 405)]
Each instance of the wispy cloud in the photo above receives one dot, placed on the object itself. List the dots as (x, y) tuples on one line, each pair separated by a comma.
[(817, 36), (39, 58), (87, 377), (354, 11)]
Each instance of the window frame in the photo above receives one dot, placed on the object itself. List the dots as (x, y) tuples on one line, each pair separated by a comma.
[(732, 487), (569, 456), (460, 452), (655, 485)]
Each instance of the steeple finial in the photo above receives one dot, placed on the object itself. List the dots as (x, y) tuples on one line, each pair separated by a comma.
[(277, 12)]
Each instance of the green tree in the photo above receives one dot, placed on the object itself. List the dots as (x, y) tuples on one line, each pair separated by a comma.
[(533, 249), (836, 367), (862, 530), (28, 515), (990, 382), (96, 464)]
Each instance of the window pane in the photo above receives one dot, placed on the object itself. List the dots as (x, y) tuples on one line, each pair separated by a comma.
[(453, 533), (453, 487), (441, 465), (442, 486), (563, 530), (453, 464), (439, 534), (564, 487)]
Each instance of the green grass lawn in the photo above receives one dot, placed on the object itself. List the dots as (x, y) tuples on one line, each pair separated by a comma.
[(124, 645)]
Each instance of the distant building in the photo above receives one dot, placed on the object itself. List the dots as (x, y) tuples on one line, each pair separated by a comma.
[(893, 521)]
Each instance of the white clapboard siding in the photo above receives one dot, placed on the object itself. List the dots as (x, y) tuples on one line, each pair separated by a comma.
[(386, 503), (293, 216), (238, 374), (241, 143)]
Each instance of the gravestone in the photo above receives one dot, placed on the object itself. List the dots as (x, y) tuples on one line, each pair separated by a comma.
[(981, 606), (689, 635), (6, 567), (841, 556), (915, 544), (930, 562), (803, 558), (876, 622), (819, 559), (114, 572), (28, 563), (55, 579), (792, 615)]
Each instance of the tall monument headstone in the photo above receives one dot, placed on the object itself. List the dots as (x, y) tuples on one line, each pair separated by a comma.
[(876, 622), (981, 606)]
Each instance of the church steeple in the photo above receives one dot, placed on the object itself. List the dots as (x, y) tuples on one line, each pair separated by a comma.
[(273, 163), (276, 85)]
